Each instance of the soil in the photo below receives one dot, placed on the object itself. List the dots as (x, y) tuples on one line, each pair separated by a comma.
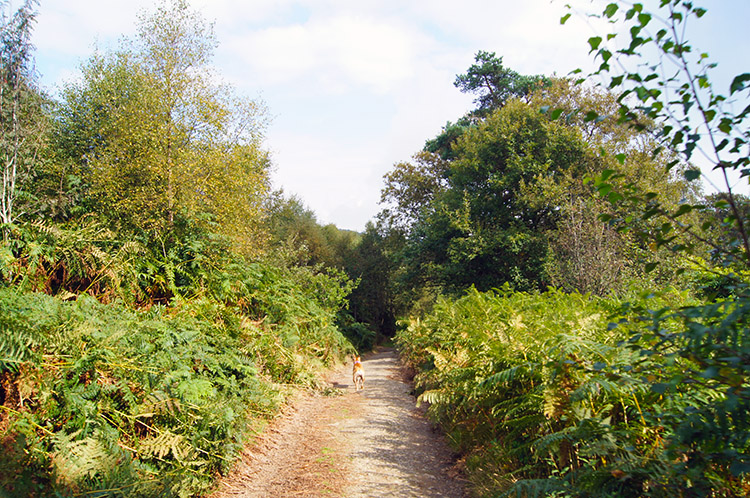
[(342, 442)]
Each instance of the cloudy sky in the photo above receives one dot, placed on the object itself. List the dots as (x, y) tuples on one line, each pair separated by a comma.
[(354, 86)]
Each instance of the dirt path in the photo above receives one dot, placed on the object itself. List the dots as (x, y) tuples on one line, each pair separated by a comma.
[(371, 443)]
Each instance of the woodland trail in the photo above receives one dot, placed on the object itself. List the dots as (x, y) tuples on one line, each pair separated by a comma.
[(372, 443)]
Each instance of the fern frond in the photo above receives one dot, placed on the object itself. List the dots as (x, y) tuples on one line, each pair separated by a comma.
[(510, 375), (158, 403), (77, 460), (15, 348), (168, 443), (434, 397)]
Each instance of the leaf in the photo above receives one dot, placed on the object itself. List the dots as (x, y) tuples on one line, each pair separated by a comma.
[(594, 42), (739, 83), (565, 18), (590, 116), (651, 266), (683, 209), (710, 372), (610, 10), (692, 174)]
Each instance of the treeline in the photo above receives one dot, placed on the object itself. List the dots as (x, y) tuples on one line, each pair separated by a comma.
[(574, 306), (157, 300)]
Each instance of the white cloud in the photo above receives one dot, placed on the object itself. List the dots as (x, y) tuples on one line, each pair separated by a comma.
[(334, 53)]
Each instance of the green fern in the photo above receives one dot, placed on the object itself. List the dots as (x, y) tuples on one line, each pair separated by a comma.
[(76, 461), (15, 349)]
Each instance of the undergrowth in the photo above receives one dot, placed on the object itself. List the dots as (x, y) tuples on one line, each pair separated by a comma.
[(105, 391), (555, 394)]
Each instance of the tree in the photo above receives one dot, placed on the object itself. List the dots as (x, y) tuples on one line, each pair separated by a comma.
[(495, 84), (488, 225), (372, 301), (412, 186), (694, 358), (591, 256), (292, 226), (156, 139), (21, 114), (512, 203), (675, 94)]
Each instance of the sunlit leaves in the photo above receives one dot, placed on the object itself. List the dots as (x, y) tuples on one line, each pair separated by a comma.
[(157, 139)]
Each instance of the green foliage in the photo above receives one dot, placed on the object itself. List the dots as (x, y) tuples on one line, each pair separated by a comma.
[(24, 124), (372, 301), (156, 402), (153, 139), (637, 396), (100, 386), (293, 226), (410, 187), (144, 334), (488, 225), (513, 203), (705, 399), (669, 91), (541, 393), (494, 83)]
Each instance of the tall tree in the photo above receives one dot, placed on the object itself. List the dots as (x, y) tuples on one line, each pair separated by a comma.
[(157, 139), (176, 46), (20, 104), (494, 83), (489, 226), (409, 187)]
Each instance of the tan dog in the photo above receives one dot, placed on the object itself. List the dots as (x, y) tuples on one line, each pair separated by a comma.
[(358, 374)]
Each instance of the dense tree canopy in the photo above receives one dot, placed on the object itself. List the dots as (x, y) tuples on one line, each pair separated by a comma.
[(509, 200)]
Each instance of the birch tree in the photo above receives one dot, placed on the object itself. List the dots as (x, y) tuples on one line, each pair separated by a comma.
[(18, 101), (159, 140)]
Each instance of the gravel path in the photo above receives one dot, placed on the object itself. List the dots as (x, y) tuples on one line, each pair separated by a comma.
[(372, 443)]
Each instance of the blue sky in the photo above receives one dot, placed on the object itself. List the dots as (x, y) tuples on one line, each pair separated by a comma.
[(354, 87)]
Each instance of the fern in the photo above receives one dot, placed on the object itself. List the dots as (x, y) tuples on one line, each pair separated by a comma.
[(168, 444), (532, 488), (76, 461), (15, 349), (155, 401)]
